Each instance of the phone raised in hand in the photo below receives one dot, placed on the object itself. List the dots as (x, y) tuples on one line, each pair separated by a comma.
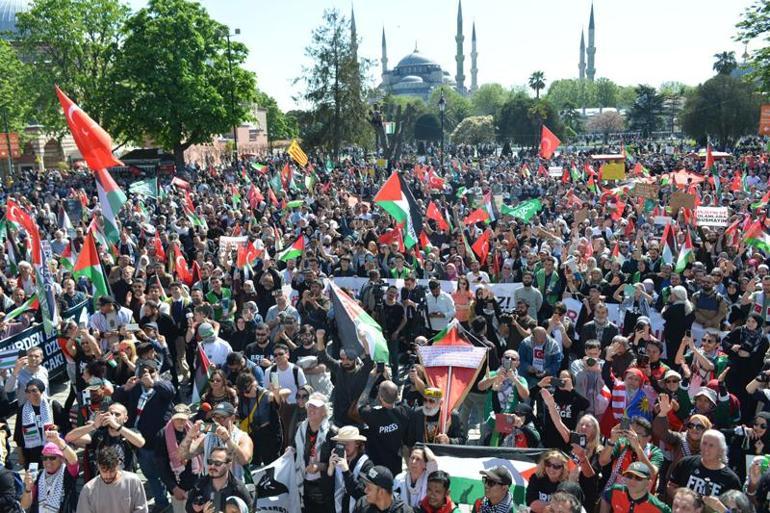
[(579, 439), (339, 450), (625, 423)]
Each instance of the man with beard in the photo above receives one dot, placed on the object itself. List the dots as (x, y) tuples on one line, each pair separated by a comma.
[(600, 329), (425, 423), (522, 323), (261, 350), (529, 294), (710, 307), (113, 490), (350, 377), (212, 490)]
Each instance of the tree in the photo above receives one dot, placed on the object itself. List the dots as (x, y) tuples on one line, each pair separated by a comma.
[(458, 107), (606, 93), (755, 24), (427, 127), (572, 119), (537, 82), (333, 85), (606, 123), (725, 63), (626, 97), (279, 125), (75, 44), (674, 94), (579, 93), (722, 107), (14, 102), (474, 130), (520, 118), (488, 99), (171, 82), (645, 114)]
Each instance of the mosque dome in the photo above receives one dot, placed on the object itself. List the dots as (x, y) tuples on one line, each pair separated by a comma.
[(415, 59), (410, 79), (8, 11)]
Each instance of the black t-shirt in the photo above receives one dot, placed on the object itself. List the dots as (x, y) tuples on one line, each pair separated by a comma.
[(570, 405), (255, 353), (385, 435), (303, 351), (391, 317), (691, 473), (540, 489), (102, 438)]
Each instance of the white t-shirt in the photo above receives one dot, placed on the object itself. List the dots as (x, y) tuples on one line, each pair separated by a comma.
[(286, 380)]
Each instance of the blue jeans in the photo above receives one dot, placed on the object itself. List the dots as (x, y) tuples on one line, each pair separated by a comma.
[(149, 467)]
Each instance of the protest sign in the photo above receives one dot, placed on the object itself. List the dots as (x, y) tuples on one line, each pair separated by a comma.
[(555, 171), (229, 244), (614, 171), (712, 216), (681, 199), (276, 485), (646, 191)]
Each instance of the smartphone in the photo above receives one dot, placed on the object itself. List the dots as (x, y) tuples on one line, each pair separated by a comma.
[(22, 353), (339, 450), (506, 364), (625, 423), (33, 468), (688, 333), (559, 382), (274, 379), (380, 367), (580, 439)]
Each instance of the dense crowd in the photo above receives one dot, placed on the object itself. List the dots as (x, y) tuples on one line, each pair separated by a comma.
[(641, 376)]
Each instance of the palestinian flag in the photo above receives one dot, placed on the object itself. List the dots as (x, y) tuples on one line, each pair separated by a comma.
[(490, 207), (354, 324), (293, 204), (294, 251), (684, 253), (398, 201), (259, 168), (88, 265), (67, 258), (668, 243), (8, 359), (762, 203), (757, 237), (616, 255), (30, 304), (203, 372), (112, 200)]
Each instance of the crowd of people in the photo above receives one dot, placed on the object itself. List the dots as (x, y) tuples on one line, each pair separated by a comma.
[(630, 412)]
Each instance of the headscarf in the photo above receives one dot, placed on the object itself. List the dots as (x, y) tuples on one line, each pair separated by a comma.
[(679, 293)]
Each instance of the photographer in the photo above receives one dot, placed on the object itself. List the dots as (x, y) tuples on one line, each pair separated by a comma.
[(219, 483), (371, 294), (521, 325), (568, 403)]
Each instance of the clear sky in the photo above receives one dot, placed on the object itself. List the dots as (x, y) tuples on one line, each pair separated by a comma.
[(637, 41)]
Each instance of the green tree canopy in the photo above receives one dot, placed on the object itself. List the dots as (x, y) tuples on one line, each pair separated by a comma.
[(537, 82), (755, 24), (722, 107), (333, 85), (488, 99), (14, 102), (279, 125), (474, 130), (520, 118), (645, 114), (606, 93), (171, 81), (458, 107), (427, 127), (75, 44), (725, 63)]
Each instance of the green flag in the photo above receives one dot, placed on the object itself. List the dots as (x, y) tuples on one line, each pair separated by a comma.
[(525, 210), (148, 187)]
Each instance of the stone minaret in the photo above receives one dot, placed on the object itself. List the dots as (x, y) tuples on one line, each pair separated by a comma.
[(591, 69), (384, 58), (474, 56), (460, 58), (582, 60)]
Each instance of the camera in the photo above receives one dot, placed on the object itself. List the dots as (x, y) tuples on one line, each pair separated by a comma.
[(559, 382), (506, 364), (380, 367), (590, 362)]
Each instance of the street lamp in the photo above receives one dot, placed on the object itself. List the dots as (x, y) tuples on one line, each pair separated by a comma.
[(441, 109), (232, 90)]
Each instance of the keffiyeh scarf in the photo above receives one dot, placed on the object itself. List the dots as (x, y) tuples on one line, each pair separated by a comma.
[(32, 425), (504, 506), (49, 496)]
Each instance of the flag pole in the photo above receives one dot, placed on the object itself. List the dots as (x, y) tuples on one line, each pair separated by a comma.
[(447, 395)]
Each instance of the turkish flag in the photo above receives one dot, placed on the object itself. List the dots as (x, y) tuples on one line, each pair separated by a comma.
[(93, 142), (434, 213), (255, 196), (159, 251), (548, 143), (182, 271), (392, 236), (18, 215), (481, 247)]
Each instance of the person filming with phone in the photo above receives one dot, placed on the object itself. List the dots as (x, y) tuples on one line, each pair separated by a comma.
[(54, 489)]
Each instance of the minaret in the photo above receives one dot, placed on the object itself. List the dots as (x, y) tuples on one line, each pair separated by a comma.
[(384, 59), (460, 58), (591, 70), (353, 34), (474, 55), (582, 60)]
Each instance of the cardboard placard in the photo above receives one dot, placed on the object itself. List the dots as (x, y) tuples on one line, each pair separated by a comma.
[(662, 220), (646, 191), (555, 171), (681, 199), (581, 215), (712, 216)]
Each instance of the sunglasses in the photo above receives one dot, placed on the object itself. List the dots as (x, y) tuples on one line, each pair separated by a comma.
[(760, 425), (50, 458), (511, 358), (216, 463), (491, 482), (636, 478), (279, 354), (696, 427), (555, 466)]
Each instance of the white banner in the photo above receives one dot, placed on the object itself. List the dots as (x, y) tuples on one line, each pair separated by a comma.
[(555, 171), (228, 244), (712, 216), (574, 307), (276, 485), (468, 357)]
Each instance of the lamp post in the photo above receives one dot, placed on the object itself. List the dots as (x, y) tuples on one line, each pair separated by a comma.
[(441, 109), (232, 90)]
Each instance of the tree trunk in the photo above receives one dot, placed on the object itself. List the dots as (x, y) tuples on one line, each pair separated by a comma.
[(179, 150)]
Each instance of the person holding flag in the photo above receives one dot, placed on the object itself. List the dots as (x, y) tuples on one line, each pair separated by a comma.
[(424, 424)]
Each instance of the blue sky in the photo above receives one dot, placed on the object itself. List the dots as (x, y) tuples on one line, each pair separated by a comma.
[(637, 41)]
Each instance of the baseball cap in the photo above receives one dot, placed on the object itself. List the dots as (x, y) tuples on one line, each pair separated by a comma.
[(706, 391), (317, 399), (379, 476), (639, 469), (223, 409), (500, 474), (671, 373), (181, 411), (205, 330)]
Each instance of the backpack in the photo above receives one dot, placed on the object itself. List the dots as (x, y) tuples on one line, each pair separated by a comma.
[(294, 370)]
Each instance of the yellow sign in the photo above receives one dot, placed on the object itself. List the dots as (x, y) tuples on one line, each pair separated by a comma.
[(614, 171)]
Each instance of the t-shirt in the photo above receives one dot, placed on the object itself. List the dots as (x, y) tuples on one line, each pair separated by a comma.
[(540, 489), (386, 434), (391, 317), (286, 380), (620, 502), (125, 495), (102, 438), (691, 473), (255, 353)]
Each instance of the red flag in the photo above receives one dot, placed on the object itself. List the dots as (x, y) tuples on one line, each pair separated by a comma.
[(392, 236), (434, 180), (424, 240), (271, 196), (196, 272), (247, 253), (255, 196), (286, 176), (477, 216), (15, 213), (159, 251), (178, 182), (541, 170), (565, 176), (434, 213), (573, 201), (481, 247), (709, 158), (93, 142), (236, 229), (733, 227), (737, 183), (180, 264), (548, 143), (188, 202), (630, 229), (620, 207)]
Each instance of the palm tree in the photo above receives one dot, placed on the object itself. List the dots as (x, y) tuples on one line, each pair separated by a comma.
[(537, 82), (725, 63)]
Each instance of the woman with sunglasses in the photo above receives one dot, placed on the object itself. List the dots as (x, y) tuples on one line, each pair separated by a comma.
[(551, 470), (678, 444), (219, 391), (752, 440), (54, 489), (258, 413), (463, 298)]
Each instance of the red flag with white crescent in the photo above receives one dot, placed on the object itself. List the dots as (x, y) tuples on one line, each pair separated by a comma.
[(548, 143), (182, 270)]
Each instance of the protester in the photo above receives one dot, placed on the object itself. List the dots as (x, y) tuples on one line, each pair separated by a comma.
[(635, 494), (497, 494), (219, 483), (113, 490), (438, 495)]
